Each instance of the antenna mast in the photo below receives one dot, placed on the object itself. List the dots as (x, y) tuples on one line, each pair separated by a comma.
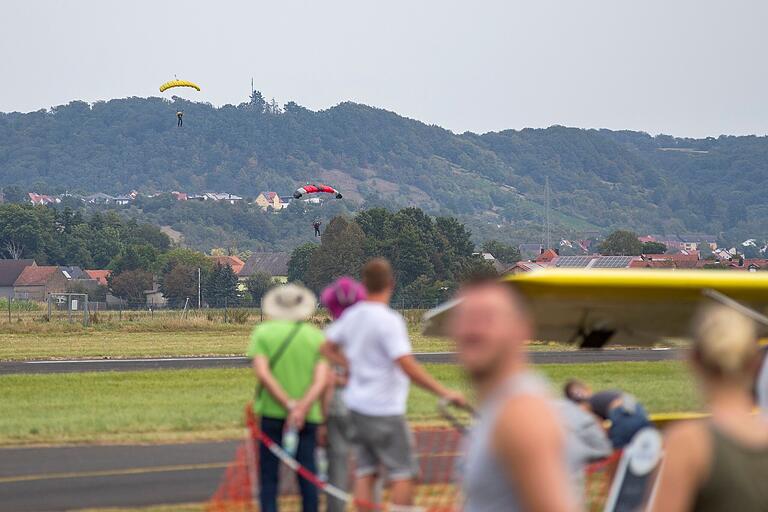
[(546, 209)]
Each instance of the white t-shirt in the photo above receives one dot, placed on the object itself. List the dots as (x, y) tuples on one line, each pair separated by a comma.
[(373, 337)]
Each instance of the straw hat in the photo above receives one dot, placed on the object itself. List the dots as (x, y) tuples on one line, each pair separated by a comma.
[(289, 302)]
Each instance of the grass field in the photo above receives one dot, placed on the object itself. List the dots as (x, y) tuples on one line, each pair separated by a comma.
[(91, 343), (181, 405)]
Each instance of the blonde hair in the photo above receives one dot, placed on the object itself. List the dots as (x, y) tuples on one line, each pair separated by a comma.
[(725, 343)]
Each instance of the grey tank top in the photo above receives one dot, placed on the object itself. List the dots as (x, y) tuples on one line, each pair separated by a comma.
[(484, 481)]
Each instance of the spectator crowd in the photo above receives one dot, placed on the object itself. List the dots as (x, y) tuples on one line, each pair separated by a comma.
[(329, 396)]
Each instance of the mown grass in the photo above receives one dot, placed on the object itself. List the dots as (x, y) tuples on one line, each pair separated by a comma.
[(93, 343), (178, 405)]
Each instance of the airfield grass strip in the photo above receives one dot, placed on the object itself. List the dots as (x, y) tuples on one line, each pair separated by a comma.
[(93, 343), (185, 405)]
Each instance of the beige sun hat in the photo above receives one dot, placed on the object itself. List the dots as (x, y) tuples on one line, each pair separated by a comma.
[(289, 302)]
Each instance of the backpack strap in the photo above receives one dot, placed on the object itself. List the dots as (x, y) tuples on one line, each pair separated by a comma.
[(279, 354)]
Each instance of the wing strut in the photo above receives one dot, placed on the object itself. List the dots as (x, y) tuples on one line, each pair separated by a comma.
[(738, 306)]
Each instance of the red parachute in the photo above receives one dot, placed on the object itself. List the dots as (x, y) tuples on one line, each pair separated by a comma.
[(316, 189)]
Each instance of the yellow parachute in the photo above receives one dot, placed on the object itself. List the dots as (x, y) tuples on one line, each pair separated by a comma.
[(178, 83)]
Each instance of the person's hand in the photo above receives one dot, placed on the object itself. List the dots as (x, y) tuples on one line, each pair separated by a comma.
[(456, 398), (322, 435), (297, 416)]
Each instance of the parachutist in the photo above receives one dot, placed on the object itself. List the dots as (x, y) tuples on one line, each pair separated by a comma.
[(316, 225), (180, 115)]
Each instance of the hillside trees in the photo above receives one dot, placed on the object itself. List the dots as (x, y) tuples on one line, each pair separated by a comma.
[(621, 243)]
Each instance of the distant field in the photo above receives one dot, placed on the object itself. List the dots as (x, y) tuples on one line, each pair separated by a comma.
[(176, 405), (139, 334), (93, 343)]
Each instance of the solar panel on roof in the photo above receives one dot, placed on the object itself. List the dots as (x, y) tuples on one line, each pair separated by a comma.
[(613, 262), (573, 261)]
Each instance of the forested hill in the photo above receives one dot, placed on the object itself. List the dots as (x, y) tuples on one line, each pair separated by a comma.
[(599, 179)]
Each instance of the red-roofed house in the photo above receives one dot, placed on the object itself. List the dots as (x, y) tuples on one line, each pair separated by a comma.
[(749, 264), (546, 256), (683, 259), (233, 261), (36, 282), (100, 276), (42, 199)]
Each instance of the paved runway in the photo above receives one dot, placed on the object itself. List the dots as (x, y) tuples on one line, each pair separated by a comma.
[(179, 363), (70, 478)]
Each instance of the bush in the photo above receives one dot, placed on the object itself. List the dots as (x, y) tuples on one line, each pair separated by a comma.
[(238, 316), (20, 305)]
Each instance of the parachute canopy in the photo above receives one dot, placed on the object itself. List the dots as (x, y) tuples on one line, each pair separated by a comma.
[(178, 83), (316, 189)]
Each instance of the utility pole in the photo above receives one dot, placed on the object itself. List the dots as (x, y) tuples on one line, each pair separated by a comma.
[(199, 289)]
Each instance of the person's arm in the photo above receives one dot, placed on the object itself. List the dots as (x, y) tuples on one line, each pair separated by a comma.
[(529, 444), (423, 379), (333, 353), (687, 450), (320, 379), (264, 374)]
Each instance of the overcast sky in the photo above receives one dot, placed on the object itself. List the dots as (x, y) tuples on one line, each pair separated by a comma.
[(687, 68)]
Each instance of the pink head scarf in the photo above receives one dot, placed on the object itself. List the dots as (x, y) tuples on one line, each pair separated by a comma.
[(341, 294)]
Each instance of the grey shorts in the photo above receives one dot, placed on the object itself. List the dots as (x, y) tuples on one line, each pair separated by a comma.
[(384, 441)]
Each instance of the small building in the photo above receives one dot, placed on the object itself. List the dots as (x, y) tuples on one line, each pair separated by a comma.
[(691, 242), (521, 267), (274, 264), (222, 196), (123, 199), (42, 199), (100, 276), (546, 256), (179, 196), (99, 198), (233, 261), (10, 270), (37, 282), (267, 200)]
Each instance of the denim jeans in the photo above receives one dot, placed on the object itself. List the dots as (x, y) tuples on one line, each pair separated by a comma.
[(269, 466), (625, 424)]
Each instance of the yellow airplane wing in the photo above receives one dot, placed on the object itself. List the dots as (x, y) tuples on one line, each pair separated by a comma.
[(628, 307)]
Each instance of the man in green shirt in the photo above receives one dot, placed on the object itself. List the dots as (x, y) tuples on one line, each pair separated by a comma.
[(292, 376)]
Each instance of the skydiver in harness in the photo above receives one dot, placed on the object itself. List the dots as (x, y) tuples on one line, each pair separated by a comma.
[(316, 225), (179, 116)]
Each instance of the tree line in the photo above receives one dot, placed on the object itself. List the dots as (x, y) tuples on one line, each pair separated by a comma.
[(431, 256), (600, 179)]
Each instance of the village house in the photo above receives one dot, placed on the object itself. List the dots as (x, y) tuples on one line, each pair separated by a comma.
[(267, 200), (233, 261), (36, 282), (223, 196), (10, 270), (42, 199), (274, 264)]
